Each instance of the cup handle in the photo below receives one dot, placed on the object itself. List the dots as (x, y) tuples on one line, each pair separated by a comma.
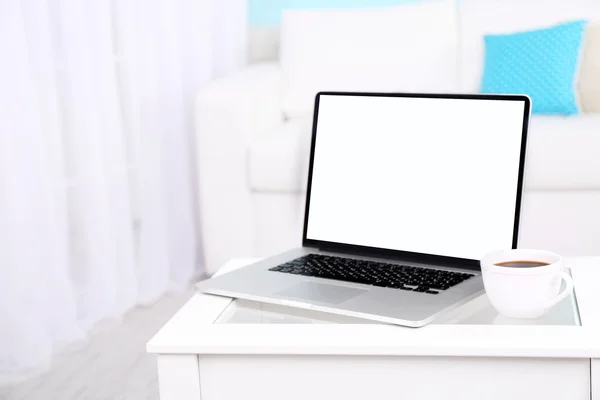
[(561, 296)]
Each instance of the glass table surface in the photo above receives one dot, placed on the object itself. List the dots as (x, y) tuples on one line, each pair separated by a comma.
[(478, 311)]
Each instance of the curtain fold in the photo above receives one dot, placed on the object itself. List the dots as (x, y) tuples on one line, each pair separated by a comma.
[(97, 184)]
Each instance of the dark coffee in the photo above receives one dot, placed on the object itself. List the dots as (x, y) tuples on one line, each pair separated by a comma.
[(521, 264)]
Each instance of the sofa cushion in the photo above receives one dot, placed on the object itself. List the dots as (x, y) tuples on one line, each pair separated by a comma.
[(542, 63), (481, 17), (589, 74), (263, 44), (411, 47), (562, 152), (278, 161)]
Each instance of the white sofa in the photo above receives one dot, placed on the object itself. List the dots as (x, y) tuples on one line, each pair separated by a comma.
[(253, 128)]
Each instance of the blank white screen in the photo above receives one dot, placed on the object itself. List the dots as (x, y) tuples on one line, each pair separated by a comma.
[(433, 176)]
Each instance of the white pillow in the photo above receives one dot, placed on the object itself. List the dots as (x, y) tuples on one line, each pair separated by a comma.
[(406, 48), (481, 17)]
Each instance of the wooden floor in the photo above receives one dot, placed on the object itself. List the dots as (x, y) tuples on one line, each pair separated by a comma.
[(113, 364)]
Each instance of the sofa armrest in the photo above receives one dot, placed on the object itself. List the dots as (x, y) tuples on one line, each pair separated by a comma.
[(229, 113), (249, 101)]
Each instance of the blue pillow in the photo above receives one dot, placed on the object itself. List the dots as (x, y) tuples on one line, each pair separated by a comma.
[(542, 64)]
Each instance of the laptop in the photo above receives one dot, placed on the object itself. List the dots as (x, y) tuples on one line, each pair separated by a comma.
[(406, 192)]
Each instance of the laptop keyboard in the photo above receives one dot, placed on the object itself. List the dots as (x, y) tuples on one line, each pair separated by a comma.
[(401, 277)]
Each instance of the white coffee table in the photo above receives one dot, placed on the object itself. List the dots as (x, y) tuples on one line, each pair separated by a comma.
[(217, 348)]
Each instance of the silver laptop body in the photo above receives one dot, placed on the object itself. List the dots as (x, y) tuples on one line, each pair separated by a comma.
[(405, 193)]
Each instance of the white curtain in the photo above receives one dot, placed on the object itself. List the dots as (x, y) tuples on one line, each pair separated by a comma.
[(97, 172)]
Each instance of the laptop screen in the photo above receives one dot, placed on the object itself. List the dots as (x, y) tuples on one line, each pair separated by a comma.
[(439, 176)]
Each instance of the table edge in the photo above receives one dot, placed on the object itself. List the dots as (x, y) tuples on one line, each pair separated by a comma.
[(432, 340)]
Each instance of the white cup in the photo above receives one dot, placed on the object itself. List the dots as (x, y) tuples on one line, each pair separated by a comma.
[(524, 292)]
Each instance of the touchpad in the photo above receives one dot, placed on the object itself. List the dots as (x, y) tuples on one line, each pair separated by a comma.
[(321, 292)]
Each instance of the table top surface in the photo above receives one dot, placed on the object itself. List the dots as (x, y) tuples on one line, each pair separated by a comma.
[(209, 324)]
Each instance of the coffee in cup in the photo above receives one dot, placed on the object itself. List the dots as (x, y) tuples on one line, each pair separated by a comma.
[(524, 283), (521, 264)]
